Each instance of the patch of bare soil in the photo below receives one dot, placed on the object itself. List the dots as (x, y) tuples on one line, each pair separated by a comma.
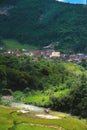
[(47, 116)]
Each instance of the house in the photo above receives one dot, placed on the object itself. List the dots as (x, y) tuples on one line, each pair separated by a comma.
[(35, 53), (55, 55), (80, 55), (72, 57), (26, 53), (19, 54)]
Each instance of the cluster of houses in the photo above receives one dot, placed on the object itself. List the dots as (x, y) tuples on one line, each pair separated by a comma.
[(77, 58), (48, 52)]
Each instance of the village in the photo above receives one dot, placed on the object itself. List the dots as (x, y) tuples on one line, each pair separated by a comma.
[(47, 52)]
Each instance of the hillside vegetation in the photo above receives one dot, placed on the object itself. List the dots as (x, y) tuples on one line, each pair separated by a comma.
[(56, 84), (39, 23)]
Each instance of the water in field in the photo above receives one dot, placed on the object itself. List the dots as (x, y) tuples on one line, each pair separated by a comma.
[(27, 107)]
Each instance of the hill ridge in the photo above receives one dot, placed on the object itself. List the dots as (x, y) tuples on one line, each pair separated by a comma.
[(40, 23)]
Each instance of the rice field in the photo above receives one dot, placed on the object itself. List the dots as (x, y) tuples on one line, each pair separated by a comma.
[(10, 119)]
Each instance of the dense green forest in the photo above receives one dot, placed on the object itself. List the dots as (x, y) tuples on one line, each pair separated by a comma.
[(56, 84), (41, 22)]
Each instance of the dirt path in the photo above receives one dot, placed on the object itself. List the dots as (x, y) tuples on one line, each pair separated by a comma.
[(46, 126)]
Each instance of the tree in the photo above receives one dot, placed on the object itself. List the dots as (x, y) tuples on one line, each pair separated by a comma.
[(3, 77)]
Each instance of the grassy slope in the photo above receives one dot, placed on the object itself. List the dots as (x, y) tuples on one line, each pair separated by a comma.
[(77, 69), (14, 44), (9, 118), (27, 127), (42, 99)]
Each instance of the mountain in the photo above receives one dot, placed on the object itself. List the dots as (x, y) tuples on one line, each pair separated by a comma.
[(41, 22)]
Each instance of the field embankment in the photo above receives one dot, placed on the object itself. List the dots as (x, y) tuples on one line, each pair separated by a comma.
[(11, 119)]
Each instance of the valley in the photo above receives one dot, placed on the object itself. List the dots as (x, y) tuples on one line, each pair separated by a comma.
[(43, 65)]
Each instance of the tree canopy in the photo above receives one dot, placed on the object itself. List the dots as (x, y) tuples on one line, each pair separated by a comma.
[(40, 23)]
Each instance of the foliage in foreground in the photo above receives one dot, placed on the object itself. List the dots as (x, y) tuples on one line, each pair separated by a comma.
[(11, 119)]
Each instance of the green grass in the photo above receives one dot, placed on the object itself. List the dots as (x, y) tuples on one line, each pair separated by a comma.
[(14, 44), (73, 123), (43, 98), (74, 68), (62, 92), (27, 127), (9, 118), (5, 121), (39, 99)]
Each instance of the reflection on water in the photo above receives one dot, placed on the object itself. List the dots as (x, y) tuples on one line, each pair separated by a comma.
[(27, 107)]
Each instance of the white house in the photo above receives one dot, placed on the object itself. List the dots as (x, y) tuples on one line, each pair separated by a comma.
[(55, 55)]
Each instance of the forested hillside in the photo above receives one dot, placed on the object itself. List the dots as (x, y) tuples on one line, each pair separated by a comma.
[(55, 84), (41, 22)]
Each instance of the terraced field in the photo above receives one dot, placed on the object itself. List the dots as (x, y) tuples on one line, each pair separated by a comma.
[(12, 119)]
